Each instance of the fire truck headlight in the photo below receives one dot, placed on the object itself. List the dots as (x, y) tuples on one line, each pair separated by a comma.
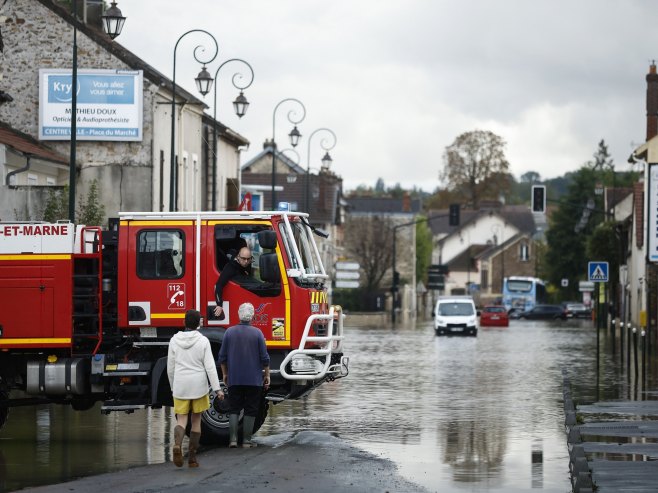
[(305, 364)]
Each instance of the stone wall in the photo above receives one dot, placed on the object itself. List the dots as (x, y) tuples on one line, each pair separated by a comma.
[(23, 203), (36, 38)]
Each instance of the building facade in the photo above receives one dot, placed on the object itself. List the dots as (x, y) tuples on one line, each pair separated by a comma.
[(132, 174)]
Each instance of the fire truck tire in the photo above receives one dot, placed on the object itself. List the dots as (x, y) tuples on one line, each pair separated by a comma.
[(214, 423), (82, 403), (4, 410)]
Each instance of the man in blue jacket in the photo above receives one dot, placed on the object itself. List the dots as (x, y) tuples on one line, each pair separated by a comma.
[(246, 370)]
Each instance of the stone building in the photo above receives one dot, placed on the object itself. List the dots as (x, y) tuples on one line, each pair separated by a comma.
[(132, 174)]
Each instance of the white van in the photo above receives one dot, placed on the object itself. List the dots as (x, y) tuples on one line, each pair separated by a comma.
[(455, 315)]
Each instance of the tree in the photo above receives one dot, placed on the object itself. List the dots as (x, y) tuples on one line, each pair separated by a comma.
[(57, 205), (92, 212), (602, 159), (371, 241), (604, 245), (470, 160), (530, 177), (423, 249), (379, 186), (570, 226)]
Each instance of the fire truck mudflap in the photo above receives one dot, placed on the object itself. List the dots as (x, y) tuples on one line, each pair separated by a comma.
[(86, 313)]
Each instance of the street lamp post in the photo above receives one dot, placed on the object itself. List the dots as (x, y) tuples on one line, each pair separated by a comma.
[(326, 160), (204, 83), (113, 22), (240, 105), (497, 230), (294, 138), (468, 259)]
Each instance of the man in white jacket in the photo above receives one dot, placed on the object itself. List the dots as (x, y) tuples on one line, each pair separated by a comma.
[(190, 366)]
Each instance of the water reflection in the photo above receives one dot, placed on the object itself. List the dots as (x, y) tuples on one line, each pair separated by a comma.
[(455, 414), (52, 444)]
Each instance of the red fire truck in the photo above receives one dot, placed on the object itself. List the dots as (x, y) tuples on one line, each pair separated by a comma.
[(86, 313)]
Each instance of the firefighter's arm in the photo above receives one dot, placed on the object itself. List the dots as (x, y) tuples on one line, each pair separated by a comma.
[(226, 275)]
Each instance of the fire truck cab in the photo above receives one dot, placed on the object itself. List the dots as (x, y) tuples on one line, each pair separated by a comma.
[(86, 313)]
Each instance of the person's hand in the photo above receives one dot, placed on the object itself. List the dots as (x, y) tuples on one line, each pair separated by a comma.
[(225, 380), (220, 395), (218, 311), (266, 382)]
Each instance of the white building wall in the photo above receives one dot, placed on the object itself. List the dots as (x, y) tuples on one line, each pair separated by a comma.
[(228, 167), (479, 232)]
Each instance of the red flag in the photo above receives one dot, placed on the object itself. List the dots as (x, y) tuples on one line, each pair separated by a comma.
[(245, 205)]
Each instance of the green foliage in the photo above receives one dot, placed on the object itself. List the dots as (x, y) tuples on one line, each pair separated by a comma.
[(423, 249), (92, 211), (566, 257), (603, 245), (57, 205), (602, 159), (360, 299)]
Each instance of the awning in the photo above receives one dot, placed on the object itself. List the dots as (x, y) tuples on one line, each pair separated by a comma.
[(26, 145)]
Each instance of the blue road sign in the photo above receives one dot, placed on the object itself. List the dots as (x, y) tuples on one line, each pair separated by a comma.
[(597, 271)]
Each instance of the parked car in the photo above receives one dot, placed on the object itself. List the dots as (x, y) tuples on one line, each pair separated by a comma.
[(577, 310), (455, 315), (494, 316), (545, 312)]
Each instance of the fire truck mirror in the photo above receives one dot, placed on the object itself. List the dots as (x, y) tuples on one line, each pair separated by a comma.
[(269, 267), (267, 239)]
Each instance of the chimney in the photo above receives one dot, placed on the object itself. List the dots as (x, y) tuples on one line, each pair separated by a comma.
[(406, 203), (652, 102)]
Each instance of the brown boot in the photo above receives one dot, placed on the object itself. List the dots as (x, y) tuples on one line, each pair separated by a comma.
[(194, 445), (179, 433)]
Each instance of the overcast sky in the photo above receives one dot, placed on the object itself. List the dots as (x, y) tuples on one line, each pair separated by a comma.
[(399, 80)]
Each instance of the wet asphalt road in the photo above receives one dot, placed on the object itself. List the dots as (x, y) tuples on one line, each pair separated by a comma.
[(417, 413), (307, 461)]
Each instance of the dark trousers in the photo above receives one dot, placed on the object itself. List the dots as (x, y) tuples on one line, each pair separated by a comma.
[(245, 397)]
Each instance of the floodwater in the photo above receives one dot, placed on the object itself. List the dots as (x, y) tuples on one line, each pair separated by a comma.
[(471, 414)]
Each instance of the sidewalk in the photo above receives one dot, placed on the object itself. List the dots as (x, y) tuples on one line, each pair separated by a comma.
[(612, 445)]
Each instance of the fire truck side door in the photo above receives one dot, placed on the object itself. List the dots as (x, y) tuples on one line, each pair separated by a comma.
[(161, 272)]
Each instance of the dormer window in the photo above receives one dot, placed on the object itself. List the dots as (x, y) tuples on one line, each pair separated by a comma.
[(524, 252)]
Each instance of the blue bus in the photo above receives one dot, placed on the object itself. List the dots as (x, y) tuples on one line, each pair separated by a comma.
[(523, 293)]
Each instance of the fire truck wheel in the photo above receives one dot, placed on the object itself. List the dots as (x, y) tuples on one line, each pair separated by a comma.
[(4, 410), (214, 422), (82, 403)]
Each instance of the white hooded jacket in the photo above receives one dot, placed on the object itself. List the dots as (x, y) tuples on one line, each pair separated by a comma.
[(190, 365)]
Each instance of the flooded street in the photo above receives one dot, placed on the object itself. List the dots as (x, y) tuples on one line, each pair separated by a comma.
[(477, 414)]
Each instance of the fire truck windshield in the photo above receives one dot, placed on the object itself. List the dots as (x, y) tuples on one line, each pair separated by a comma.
[(302, 251)]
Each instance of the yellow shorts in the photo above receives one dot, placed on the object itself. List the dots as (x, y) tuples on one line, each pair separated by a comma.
[(182, 406)]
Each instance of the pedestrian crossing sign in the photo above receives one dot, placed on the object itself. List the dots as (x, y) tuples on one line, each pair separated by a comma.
[(597, 271)]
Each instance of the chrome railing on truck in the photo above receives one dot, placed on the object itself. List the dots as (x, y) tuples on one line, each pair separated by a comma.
[(304, 362)]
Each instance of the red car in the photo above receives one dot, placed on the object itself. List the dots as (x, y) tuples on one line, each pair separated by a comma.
[(494, 316)]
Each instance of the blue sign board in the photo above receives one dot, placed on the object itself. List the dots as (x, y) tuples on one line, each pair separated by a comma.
[(597, 271), (108, 104)]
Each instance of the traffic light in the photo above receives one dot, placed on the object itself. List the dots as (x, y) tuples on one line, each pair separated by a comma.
[(396, 278), (538, 198), (453, 217)]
